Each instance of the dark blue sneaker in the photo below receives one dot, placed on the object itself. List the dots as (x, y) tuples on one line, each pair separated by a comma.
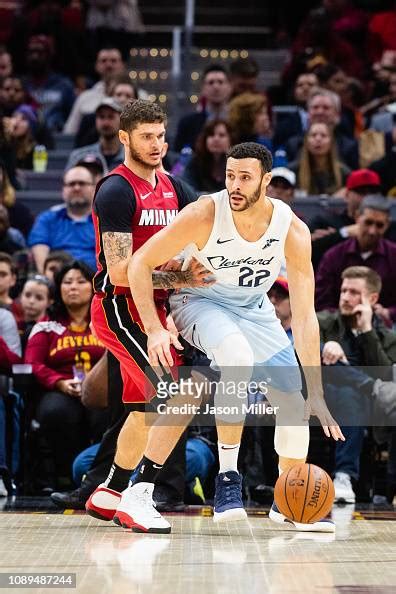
[(228, 504), (325, 525)]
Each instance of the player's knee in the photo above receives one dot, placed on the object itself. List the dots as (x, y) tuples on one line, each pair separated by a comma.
[(292, 441), (234, 351), (289, 406)]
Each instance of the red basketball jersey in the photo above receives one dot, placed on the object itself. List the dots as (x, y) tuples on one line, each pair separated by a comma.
[(154, 209)]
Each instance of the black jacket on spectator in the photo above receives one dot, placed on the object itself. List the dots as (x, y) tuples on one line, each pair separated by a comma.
[(87, 133), (8, 245), (386, 169), (21, 217), (291, 124), (199, 182), (288, 125)]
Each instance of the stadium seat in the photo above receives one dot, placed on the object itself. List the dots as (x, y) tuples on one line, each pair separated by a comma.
[(49, 181), (39, 200), (57, 159)]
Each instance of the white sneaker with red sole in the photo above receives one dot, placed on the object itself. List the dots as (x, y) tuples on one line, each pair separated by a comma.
[(103, 503), (136, 511)]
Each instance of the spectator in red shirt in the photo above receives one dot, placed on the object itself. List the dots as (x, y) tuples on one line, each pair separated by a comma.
[(318, 42), (382, 33), (61, 351)]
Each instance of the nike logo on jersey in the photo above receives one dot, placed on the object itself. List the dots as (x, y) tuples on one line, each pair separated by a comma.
[(269, 242), (155, 466), (220, 241), (144, 196)]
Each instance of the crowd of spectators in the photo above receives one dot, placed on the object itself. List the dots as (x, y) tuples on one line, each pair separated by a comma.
[(337, 138)]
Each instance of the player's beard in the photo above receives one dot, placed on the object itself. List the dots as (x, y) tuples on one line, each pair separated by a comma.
[(134, 155), (249, 200)]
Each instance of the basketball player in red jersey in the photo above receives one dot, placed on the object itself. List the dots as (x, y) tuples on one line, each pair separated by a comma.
[(131, 204)]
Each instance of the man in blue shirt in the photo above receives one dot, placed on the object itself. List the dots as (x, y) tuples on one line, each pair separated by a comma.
[(69, 227)]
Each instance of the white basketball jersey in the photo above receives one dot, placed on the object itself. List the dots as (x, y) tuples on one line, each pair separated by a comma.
[(245, 270)]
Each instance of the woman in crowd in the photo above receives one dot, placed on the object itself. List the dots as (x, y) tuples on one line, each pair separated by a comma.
[(24, 133), (19, 215), (250, 120), (206, 170), (318, 169), (122, 89), (62, 350)]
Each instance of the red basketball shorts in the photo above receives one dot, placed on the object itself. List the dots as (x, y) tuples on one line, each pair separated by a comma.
[(117, 324)]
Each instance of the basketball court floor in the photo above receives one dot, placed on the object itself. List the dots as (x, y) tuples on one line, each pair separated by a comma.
[(199, 556)]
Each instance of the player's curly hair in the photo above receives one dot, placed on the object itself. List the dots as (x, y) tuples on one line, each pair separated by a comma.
[(140, 111), (252, 150)]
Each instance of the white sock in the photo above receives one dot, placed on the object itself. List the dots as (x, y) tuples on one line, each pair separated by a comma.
[(228, 456)]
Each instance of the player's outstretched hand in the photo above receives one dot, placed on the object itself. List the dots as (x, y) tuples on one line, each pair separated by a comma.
[(319, 409), (196, 275), (158, 348)]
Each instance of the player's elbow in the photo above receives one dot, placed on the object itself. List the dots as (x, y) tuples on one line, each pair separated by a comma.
[(139, 264)]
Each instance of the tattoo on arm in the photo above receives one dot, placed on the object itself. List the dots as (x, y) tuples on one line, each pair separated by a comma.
[(172, 279), (117, 246)]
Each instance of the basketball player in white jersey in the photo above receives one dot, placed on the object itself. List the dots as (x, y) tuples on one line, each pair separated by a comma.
[(241, 236)]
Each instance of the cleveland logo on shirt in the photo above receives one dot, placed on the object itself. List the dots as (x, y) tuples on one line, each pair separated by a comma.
[(221, 262), (153, 216)]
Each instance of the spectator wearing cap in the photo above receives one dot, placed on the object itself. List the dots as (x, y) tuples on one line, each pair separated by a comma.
[(69, 227), (332, 227), (94, 164), (53, 92), (282, 185), (279, 297), (108, 149), (108, 64), (367, 248)]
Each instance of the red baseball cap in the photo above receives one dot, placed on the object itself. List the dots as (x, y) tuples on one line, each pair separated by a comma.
[(363, 177), (282, 282)]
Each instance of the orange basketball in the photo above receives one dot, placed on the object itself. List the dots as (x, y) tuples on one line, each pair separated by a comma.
[(304, 493)]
